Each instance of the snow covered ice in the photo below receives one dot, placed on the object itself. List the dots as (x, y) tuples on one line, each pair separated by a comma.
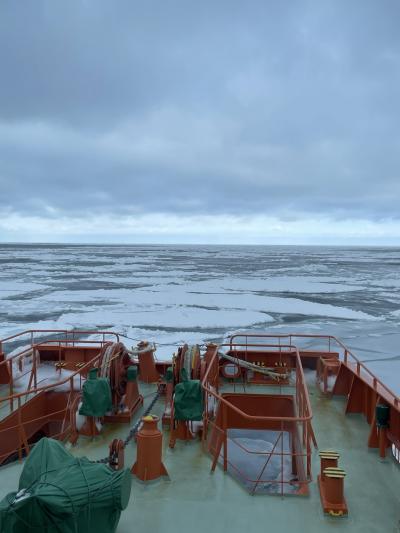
[(194, 294)]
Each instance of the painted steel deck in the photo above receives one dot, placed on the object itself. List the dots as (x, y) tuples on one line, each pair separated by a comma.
[(196, 500)]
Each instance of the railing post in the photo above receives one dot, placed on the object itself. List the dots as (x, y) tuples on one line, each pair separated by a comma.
[(34, 368), (224, 424), (282, 434), (11, 385)]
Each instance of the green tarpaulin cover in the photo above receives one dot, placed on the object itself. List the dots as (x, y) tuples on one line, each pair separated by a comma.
[(188, 399), (131, 373), (169, 374), (59, 493), (96, 397)]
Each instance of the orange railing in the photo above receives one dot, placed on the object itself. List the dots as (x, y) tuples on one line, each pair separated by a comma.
[(16, 400), (302, 420), (68, 426), (345, 354), (75, 334), (71, 338), (33, 379)]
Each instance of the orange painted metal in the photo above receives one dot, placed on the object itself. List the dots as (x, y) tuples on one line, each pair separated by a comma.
[(331, 489), (147, 365), (283, 413), (48, 413), (362, 387), (180, 430), (329, 459), (46, 410), (169, 392), (132, 397), (149, 465), (4, 370), (327, 367), (89, 428)]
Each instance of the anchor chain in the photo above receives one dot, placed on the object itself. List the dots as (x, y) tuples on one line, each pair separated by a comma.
[(134, 429)]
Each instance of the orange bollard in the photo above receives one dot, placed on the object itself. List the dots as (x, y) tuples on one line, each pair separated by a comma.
[(329, 458), (331, 489), (149, 465), (147, 365), (334, 478)]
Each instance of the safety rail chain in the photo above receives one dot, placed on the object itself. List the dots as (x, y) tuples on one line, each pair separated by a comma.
[(209, 385), (349, 358)]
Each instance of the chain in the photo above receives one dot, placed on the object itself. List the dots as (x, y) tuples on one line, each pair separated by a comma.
[(134, 429)]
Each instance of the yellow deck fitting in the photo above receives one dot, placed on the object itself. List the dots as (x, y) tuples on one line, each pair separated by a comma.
[(333, 471), (329, 454)]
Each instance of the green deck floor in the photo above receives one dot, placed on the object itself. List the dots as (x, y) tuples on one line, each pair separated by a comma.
[(194, 500)]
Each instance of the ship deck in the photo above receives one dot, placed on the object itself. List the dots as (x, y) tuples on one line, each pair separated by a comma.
[(196, 500)]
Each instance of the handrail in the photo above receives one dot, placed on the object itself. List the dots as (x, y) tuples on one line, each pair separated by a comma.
[(72, 331), (347, 352), (22, 423), (253, 417), (52, 385), (65, 331), (46, 342)]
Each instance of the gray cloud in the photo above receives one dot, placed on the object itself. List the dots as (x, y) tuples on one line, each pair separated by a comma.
[(277, 108)]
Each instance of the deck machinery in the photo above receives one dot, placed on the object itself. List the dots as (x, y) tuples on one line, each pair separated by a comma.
[(246, 401)]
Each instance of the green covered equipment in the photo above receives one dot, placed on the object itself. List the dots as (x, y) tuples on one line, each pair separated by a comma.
[(96, 397), (59, 493), (188, 399)]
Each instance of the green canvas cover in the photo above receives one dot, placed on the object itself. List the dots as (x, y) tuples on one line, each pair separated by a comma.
[(59, 493), (188, 399), (96, 397), (131, 373), (169, 375)]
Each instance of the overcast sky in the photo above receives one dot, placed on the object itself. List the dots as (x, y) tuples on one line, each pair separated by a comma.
[(213, 121)]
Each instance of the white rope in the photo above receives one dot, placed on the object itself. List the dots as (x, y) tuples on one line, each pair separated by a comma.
[(250, 366), (147, 348), (105, 362)]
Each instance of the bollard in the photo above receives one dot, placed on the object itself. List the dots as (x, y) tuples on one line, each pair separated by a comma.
[(331, 484), (147, 365), (328, 458), (149, 465), (332, 491)]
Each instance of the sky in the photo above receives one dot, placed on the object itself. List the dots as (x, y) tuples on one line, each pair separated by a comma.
[(257, 122)]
